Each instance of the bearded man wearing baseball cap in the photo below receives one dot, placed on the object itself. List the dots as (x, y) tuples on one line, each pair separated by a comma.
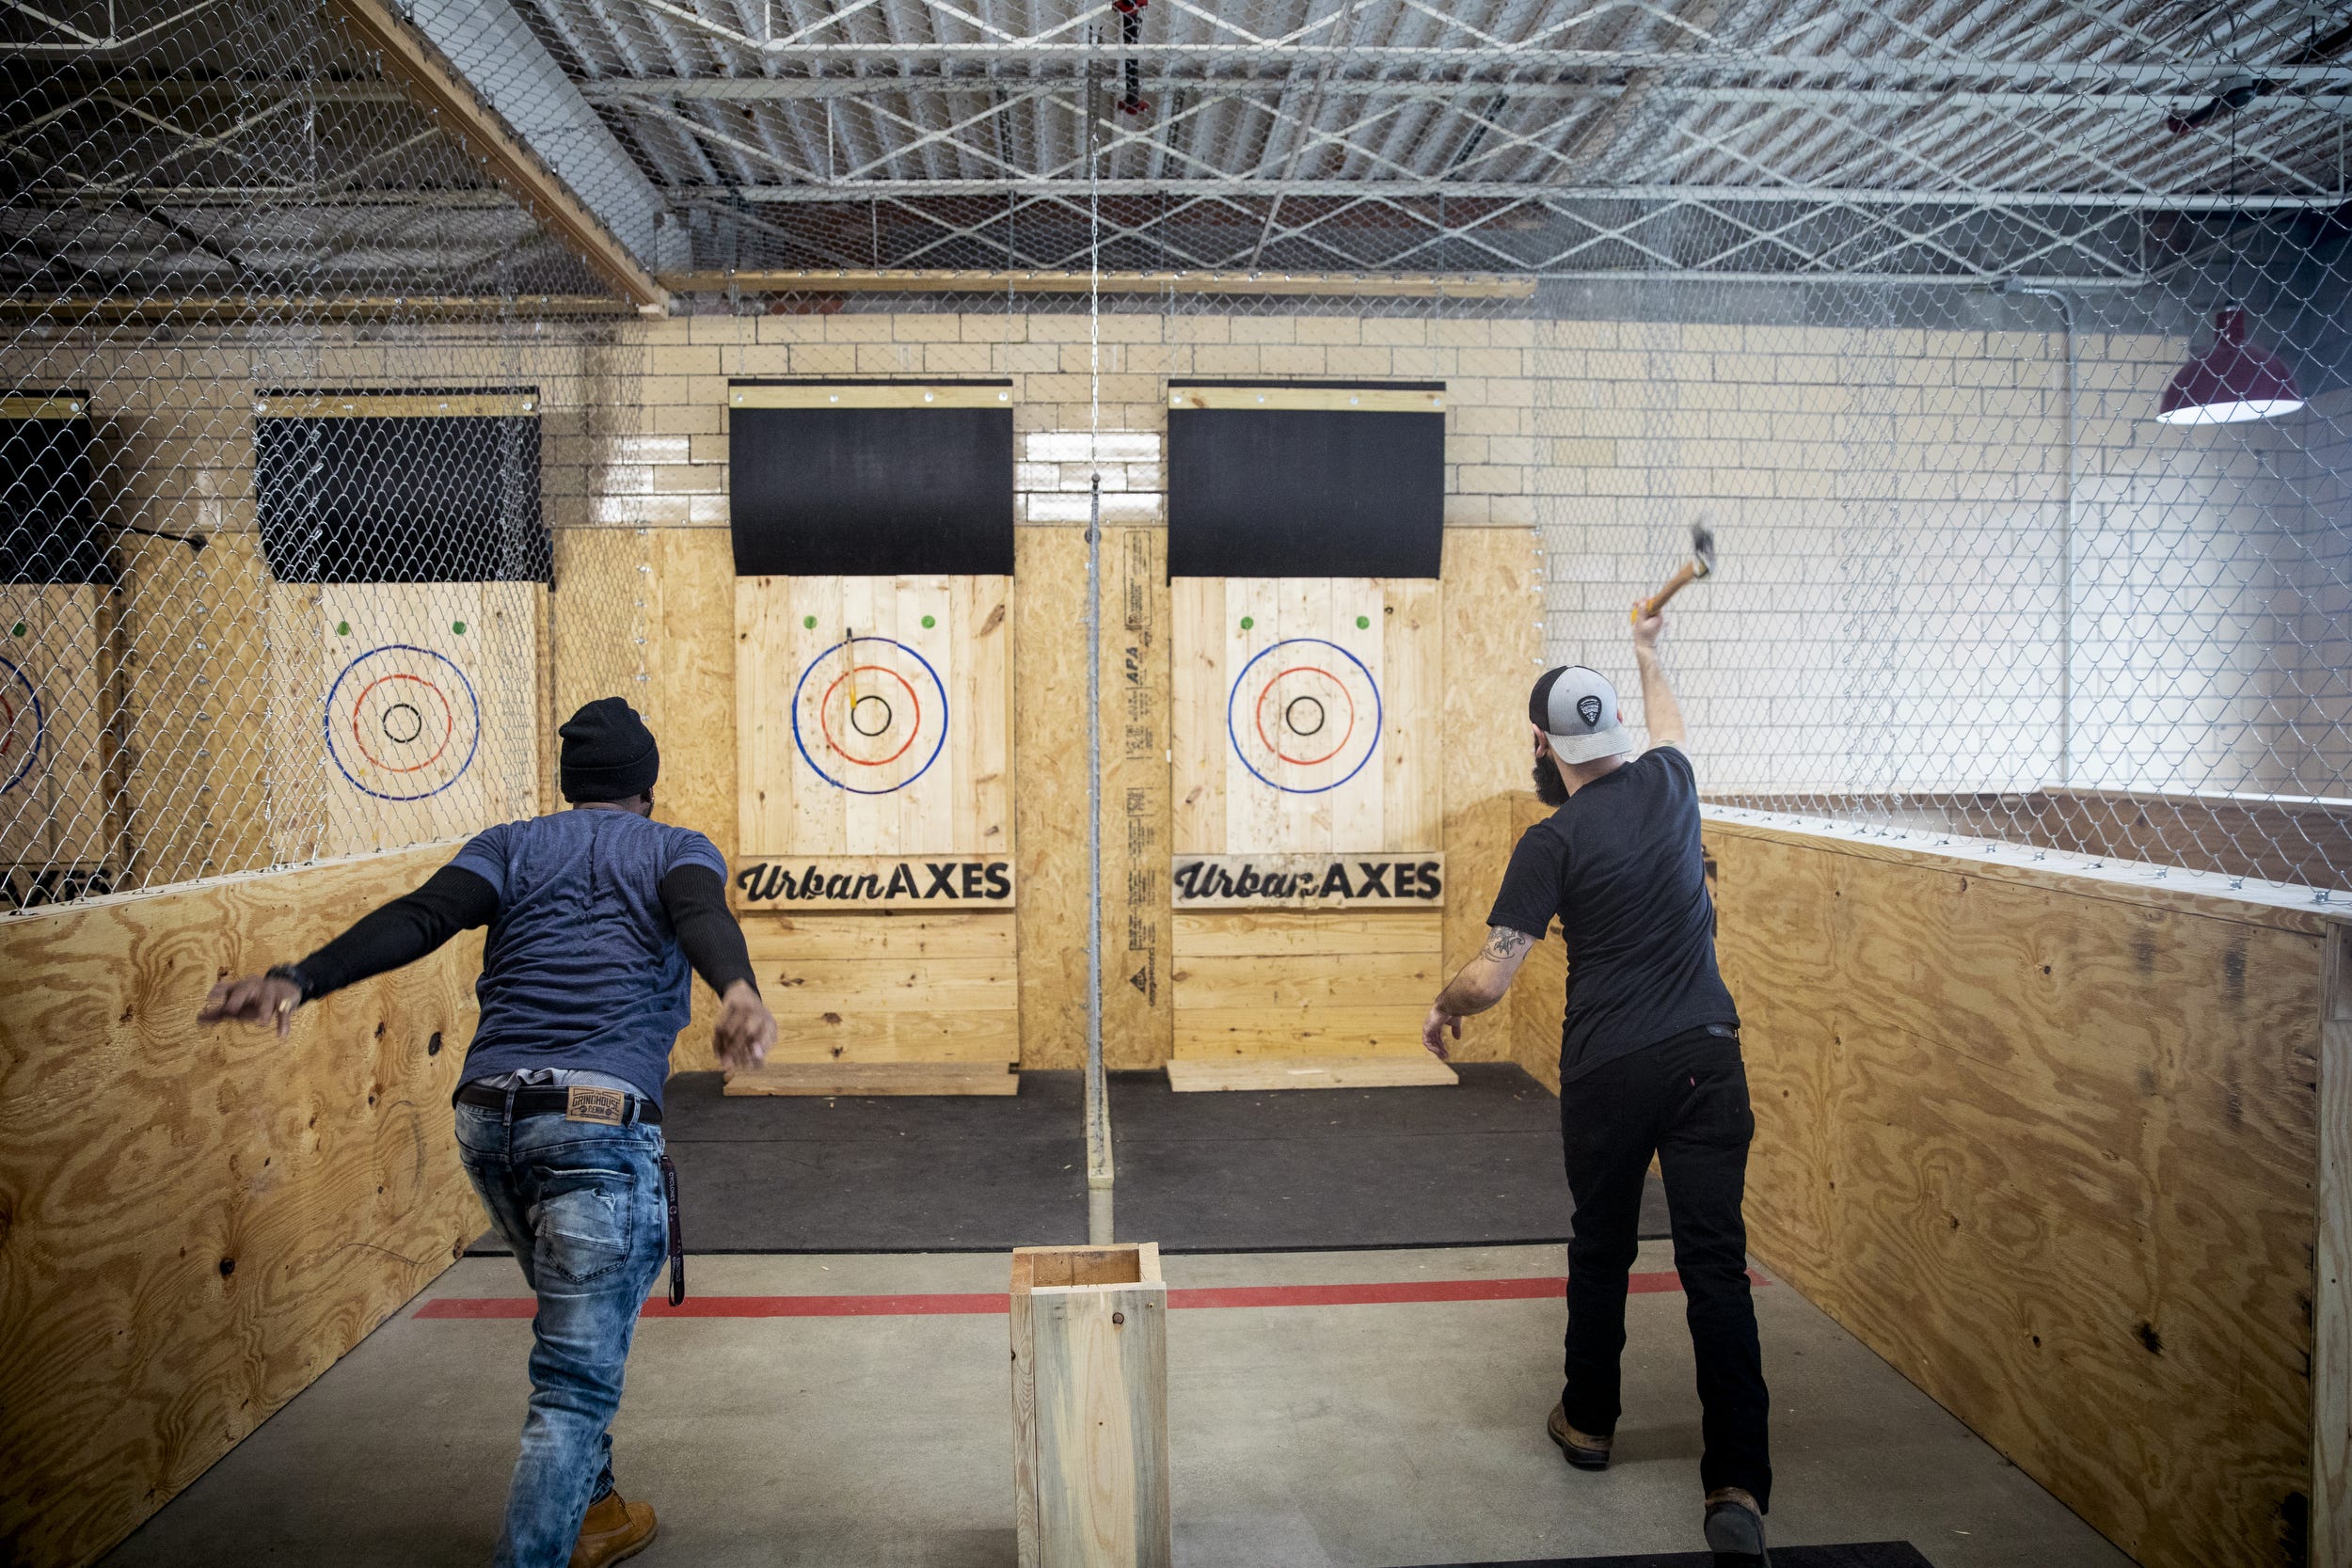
[(1649, 1063)]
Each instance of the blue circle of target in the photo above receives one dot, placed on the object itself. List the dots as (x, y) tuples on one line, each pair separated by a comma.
[(16, 676), (328, 719), (849, 649), (1377, 718)]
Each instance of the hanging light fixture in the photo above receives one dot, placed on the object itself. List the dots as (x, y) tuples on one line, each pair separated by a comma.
[(2231, 380)]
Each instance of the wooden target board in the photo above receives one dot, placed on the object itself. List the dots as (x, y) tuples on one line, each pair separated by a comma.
[(874, 731), (1305, 716), (1306, 877), (414, 703), (53, 835)]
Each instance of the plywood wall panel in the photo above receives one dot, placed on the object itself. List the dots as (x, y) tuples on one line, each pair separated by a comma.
[(53, 810), (2050, 1149), (1138, 1001), (1491, 657), (1050, 855), (200, 1222)]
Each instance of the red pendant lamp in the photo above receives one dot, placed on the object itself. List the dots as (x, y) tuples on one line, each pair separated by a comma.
[(2231, 380)]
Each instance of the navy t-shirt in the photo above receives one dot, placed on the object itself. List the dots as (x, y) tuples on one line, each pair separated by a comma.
[(1620, 866), (581, 968)]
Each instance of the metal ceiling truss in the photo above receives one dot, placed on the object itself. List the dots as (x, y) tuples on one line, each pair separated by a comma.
[(1958, 140)]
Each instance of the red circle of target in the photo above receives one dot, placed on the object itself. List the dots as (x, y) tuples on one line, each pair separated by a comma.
[(1267, 690), (824, 716), (449, 716)]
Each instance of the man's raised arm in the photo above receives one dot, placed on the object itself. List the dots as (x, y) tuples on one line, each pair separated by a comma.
[(1658, 707)]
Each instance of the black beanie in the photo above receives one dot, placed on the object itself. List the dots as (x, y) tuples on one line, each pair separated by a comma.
[(608, 754)]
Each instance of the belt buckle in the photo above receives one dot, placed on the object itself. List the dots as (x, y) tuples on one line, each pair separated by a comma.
[(602, 1106)]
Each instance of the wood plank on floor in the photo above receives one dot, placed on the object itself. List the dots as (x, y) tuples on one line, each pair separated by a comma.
[(875, 1078), (1323, 1073), (1278, 1032)]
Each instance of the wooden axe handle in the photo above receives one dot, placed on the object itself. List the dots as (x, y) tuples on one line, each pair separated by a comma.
[(1685, 575)]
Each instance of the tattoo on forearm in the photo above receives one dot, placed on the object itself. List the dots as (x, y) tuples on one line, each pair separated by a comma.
[(1504, 944)]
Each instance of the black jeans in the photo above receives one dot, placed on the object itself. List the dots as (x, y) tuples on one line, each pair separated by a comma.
[(1686, 1099)]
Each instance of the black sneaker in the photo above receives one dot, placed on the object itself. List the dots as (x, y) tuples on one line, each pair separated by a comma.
[(1735, 1530), (1586, 1453)]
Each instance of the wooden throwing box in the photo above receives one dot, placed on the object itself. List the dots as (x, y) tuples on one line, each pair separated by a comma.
[(1090, 1407)]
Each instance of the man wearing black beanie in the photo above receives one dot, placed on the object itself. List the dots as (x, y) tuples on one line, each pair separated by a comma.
[(595, 915)]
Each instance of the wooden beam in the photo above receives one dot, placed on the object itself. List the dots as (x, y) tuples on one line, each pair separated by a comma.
[(1360, 285), (2331, 1285), (44, 408), (67, 308), (441, 88), (396, 406), (1342, 399), (868, 394)]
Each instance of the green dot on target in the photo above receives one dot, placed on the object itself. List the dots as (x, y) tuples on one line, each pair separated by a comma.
[(1362, 621), (458, 627), (1246, 622), (342, 629), (17, 630), (929, 623), (809, 622)]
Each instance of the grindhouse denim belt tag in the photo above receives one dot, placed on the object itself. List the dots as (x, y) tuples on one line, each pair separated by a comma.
[(603, 1107), (677, 1244)]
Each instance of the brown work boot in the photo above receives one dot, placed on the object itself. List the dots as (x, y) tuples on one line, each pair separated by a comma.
[(1584, 1451), (612, 1531)]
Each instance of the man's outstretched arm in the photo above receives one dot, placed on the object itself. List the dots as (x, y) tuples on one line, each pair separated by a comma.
[(697, 902), (451, 900), (1478, 986)]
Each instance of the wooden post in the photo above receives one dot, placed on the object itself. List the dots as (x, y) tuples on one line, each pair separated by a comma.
[(1090, 1407), (2332, 1283)]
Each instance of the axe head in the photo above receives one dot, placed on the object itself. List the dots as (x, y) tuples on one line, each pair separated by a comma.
[(1702, 548)]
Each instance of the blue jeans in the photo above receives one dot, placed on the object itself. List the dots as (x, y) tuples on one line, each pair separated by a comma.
[(580, 1205)]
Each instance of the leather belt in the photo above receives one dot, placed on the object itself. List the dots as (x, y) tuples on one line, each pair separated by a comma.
[(617, 1110)]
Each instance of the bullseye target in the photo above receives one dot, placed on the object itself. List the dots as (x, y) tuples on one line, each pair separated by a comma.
[(402, 723), (869, 715), (1304, 715), (20, 726)]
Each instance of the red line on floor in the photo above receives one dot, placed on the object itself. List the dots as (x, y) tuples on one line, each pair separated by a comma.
[(994, 1303)]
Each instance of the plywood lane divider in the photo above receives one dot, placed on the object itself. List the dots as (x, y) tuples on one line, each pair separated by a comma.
[(2050, 1145), (2332, 1333), (194, 1224), (1090, 1407)]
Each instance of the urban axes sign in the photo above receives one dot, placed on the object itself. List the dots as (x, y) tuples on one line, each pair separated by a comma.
[(873, 882), (1376, 882)]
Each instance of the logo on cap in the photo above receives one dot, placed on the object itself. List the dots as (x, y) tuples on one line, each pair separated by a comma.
[(1588, 709)]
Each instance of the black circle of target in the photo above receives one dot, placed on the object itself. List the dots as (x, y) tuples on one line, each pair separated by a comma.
[(1290, 718), (414, 722), (859, 707)]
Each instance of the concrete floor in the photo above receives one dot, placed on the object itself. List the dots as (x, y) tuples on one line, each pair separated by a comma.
[(1302, 1436)]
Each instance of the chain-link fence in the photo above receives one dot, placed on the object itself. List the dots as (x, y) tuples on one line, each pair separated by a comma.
[(302, 418), (1891, 294), (1969, 578)]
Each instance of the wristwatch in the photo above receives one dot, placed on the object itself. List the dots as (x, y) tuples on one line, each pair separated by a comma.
[(292, 975)]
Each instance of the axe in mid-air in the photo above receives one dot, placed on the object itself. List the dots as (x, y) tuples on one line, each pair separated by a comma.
[(1701, 562)]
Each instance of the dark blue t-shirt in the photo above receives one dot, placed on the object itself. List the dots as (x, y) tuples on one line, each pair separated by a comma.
[(1620, 866), (582, 969)]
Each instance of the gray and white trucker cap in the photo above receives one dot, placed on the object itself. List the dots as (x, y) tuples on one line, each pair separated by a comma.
[(1577, 709)]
